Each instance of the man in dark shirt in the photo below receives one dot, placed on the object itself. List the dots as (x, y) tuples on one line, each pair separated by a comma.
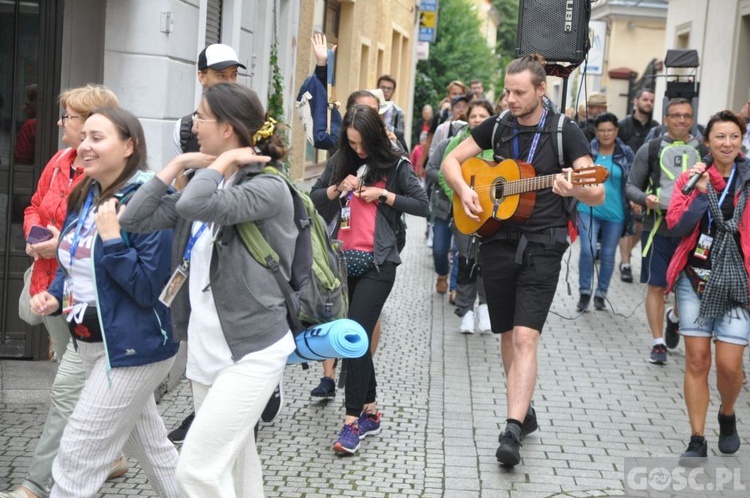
[(521, 261), (634, 128)]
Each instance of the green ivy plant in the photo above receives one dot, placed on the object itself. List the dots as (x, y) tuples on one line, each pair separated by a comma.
[(276, 100)]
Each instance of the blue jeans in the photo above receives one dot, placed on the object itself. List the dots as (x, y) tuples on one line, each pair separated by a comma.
[(588, 231), (441, 244)]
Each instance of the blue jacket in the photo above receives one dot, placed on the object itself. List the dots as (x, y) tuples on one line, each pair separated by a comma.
[(623, 156), (319, 111), (130, 273)]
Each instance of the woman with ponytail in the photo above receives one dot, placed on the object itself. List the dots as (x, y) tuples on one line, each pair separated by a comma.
[(229, 305)]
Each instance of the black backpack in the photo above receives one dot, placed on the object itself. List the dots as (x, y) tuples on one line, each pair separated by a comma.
[(188, 141)]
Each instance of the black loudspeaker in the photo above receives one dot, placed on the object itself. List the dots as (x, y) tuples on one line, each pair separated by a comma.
[(556, 29)]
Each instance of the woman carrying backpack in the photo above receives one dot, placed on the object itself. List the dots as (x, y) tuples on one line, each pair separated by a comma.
[(229, 305), (368, 186)]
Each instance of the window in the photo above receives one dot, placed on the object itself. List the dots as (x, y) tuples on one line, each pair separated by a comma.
[(213, 22)]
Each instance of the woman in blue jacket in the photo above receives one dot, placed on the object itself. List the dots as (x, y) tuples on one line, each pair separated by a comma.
[(609, 219), (107, 284)]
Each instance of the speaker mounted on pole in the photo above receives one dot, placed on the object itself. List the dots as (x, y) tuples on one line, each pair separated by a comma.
[(556, 29)]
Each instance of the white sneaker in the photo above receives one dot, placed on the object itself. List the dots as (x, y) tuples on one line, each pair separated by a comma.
[(484, 324), (467, 323)]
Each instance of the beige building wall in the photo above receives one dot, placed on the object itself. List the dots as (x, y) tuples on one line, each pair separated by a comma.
[(635, 35), (374, 37)]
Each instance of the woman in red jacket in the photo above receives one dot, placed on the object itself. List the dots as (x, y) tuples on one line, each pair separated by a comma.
[(716, 222), (48, 210)]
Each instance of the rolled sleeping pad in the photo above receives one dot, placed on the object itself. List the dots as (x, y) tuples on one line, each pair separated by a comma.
[(341, 338)]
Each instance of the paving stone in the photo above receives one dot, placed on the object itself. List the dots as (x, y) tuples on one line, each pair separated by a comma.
[(443, 398)]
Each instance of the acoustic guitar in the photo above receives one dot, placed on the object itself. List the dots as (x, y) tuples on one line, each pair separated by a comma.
[(507, 191)]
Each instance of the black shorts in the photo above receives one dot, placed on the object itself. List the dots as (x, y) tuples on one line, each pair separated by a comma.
[(519, 295)]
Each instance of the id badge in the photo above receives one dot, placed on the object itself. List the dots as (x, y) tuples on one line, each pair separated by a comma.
[(703, 247), (67, 301), (173, 286), (346, 214)]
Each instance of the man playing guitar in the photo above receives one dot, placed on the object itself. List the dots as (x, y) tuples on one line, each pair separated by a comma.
[(521, 261)]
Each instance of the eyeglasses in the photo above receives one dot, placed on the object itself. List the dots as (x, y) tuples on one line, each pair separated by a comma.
[(197, 120), (680, 116), (65, 116)]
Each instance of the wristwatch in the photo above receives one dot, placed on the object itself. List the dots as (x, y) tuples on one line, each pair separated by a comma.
[(383, 197)]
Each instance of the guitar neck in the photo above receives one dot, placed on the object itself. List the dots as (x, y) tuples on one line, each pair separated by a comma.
[(524, 185)]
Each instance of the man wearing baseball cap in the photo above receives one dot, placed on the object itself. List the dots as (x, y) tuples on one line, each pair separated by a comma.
[(217, 63)]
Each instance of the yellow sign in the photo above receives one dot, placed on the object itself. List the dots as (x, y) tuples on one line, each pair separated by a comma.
[(427, 19)]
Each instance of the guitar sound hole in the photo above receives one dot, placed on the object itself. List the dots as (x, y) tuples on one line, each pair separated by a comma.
[(498, 190)]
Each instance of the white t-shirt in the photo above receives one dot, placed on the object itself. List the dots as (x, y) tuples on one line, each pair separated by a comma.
[(80, 272)]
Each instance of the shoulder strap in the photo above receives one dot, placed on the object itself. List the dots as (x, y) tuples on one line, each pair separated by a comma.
[(499, 118), (186, 125), (559, 131)]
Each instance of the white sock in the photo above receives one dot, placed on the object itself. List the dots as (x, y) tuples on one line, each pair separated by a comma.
[(658, 341), (672, 318)]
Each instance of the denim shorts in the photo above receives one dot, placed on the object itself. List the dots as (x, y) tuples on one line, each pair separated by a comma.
[(732, 328)]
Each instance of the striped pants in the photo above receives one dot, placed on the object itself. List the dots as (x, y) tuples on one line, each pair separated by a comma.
[(114, 412)]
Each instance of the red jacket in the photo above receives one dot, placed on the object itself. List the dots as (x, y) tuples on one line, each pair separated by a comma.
[(49, 205), (686, 211)]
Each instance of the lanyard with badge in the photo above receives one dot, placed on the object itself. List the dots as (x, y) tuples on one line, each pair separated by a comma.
[(78, 234), (345, 218), (180, 274), (534, 141), (705, 240)]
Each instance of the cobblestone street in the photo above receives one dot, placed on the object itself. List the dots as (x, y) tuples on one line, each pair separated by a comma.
[(442, 395)]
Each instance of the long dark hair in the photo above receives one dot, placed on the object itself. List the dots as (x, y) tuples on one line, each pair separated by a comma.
[(128, 128), (241, 108), (381, 156)]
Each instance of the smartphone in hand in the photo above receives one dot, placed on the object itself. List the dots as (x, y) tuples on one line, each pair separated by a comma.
[(38, 234)]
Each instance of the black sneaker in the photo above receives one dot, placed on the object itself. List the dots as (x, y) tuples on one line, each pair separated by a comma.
[(529, 423), (509, 451), (672, 332), (599, 303), (178, 435), (274, 405), (325, 390), (626, 273), (696, 452), (583, 303), (658, 354), (729, 441)]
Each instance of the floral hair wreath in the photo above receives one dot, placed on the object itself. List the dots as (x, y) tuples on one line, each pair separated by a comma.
[(266, 131)]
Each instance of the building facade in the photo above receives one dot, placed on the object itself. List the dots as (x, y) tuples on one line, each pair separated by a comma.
[(720, 31), (144, 50), (373, 37)]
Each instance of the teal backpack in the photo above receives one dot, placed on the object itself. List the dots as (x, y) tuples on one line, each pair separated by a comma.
[(317, 291)]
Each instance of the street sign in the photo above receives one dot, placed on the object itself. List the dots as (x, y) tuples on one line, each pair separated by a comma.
[(428, 11), (597, 36), (423, 51)]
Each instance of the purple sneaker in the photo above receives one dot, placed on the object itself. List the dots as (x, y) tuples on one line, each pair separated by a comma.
[(369, 424), (348, 441)]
